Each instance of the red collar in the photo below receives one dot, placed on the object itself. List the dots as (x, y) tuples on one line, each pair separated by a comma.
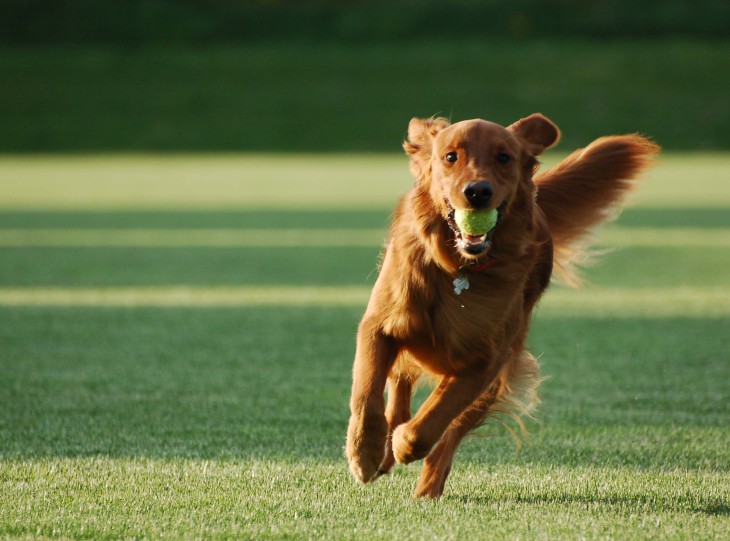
[(481, 267)]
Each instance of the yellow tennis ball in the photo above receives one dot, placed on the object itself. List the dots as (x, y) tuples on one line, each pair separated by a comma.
[(476, 222)]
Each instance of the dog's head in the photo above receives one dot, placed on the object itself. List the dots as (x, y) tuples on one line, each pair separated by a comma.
[(476, 165)]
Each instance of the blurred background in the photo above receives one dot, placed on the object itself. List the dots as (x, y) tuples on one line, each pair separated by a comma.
[(347, 75)]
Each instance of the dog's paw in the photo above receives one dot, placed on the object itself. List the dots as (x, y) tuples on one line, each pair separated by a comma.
[(429, 492), (432, 481), (365, 447), (408, 446)]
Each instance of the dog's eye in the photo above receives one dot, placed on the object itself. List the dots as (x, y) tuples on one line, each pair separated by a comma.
[(451, 157), (503, 157)]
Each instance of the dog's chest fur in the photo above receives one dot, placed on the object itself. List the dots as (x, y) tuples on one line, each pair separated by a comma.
[(444, 330)]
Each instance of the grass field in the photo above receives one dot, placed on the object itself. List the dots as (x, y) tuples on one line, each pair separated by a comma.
[(336, 97), (176, 337)]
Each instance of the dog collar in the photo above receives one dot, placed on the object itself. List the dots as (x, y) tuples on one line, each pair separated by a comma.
[(481, 267), (461, 282)]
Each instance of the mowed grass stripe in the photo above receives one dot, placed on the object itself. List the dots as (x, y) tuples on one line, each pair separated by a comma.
[(185, 296), (338, 237), (648, 302), (664, 237), (639, 302), (203, 181), (192, 237), (313, 181)]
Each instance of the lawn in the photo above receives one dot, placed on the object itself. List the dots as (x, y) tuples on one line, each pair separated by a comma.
[(176, 340), (359, 97)]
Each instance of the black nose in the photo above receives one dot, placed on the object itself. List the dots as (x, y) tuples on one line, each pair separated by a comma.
[(478, 193)]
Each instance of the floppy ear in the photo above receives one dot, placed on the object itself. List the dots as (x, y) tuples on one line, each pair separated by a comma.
[(421, 132), (537, 131)]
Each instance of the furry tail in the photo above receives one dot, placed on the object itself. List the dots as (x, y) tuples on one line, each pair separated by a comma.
[(586, 189)]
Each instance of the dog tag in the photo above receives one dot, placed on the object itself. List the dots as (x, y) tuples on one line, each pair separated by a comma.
[(461, 283)]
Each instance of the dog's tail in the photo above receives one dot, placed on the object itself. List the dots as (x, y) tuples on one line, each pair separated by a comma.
[(586, 189)]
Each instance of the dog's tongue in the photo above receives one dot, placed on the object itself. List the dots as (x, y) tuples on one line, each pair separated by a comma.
[(474, 241)]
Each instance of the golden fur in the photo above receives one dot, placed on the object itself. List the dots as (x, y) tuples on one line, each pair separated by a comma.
[(473, 342)]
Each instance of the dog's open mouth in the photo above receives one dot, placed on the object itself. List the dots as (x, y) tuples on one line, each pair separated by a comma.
[(473, 245)]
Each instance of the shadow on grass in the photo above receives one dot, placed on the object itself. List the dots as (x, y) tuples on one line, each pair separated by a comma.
[(206, 266), (639, 502)]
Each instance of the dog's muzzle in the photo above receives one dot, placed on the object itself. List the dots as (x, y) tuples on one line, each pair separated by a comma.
[(473, 245)]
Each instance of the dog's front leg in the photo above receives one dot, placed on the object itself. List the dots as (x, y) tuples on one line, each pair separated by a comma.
[(368, 428), (415, 439), (397, 412)]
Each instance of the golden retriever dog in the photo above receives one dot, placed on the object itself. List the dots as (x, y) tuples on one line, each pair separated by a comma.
[(457, 305)]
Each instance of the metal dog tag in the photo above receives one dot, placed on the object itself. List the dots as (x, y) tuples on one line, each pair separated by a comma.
[(461, 283)]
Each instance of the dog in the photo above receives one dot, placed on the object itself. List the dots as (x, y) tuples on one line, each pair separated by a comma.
[(457, 306)]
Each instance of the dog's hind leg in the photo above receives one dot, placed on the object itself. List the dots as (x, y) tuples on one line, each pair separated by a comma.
[(514, 393), (437, 466)]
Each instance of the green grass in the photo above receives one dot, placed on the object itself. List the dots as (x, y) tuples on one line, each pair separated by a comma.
[(337, 97), (166, 374)]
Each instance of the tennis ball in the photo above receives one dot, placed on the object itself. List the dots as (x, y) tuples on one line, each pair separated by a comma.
[(476, 222)]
